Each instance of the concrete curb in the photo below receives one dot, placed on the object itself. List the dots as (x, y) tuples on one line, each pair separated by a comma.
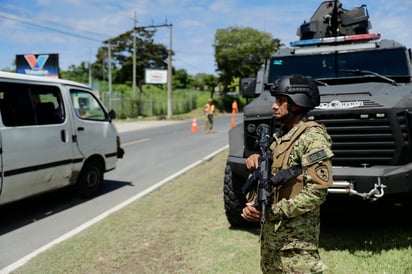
[(124, 126)]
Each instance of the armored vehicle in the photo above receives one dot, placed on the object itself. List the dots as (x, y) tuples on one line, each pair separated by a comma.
[(366, 106)]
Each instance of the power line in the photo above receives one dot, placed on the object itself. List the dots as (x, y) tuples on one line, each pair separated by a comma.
[(70, 27), (50, 28)]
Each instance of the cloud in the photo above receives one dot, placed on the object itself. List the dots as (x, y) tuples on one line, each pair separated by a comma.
[(223, 6), (194, 24)]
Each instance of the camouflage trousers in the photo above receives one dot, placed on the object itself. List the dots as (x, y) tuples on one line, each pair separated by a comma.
[(291, 261)]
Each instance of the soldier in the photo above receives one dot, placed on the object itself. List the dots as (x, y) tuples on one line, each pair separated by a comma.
[(290, 236)]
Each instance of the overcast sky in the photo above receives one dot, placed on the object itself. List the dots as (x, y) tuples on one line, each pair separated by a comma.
[(75, 28)]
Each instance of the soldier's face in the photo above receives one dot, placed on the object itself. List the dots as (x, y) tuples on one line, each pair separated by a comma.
[(280, 107)]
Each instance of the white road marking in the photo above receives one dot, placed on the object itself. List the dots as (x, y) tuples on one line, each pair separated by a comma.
[(91, 222)]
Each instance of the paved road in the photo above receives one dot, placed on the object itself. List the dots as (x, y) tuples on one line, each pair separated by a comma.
[(156, 152)]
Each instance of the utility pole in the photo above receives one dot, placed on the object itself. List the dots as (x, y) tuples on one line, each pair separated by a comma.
[(169, 63), (169, 75), (134, 59), (90, 68), (109, 61), (110, 75)]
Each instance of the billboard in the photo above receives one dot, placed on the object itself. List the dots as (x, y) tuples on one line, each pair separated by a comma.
[(156, 76), (38, 64)]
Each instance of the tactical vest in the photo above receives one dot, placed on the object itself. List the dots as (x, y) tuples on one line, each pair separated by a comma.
[(280, 161)]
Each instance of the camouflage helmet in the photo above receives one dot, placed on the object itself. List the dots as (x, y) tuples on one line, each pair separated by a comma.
[(302, 90)]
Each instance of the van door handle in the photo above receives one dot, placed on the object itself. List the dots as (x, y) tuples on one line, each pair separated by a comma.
[(80, 128), (63, 135)]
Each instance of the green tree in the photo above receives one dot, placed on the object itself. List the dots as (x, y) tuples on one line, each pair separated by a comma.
[(203, 81), (181, 79), (76, 73), (211, 81), (240, 52), (198, 81), (148, 55)]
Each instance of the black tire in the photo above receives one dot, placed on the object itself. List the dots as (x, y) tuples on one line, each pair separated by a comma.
[(234, 199), (90, 178)]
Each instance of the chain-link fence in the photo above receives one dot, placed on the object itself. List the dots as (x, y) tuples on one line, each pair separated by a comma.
[(156, 105)]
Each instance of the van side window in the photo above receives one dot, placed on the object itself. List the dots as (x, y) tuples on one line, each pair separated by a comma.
[(29, 105), (86, 106)]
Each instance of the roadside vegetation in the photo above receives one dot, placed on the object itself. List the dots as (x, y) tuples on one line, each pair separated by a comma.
[(152, 103), (182, 228), (238, 51)]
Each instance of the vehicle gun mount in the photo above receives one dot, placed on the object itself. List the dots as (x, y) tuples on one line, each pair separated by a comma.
[(331, 20)]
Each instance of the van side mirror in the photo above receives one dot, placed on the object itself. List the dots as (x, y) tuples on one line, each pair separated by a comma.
[(112, 115)]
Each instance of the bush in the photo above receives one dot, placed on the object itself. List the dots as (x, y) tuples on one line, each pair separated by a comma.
[(152, 102), (227, 100)]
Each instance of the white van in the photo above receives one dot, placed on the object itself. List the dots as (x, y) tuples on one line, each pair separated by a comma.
[(53, 133)]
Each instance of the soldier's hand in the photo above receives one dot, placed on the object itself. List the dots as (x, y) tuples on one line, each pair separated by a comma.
[(252, 161), (250, 213)]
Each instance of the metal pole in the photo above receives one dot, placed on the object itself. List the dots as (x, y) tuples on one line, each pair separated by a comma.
[(90, 68), (109, 61), (134, 59), (169, 77)]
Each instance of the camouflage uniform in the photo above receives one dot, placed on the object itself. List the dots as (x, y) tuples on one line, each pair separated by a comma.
[(290, 237)]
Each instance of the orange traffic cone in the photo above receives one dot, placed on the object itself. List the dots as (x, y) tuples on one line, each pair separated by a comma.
[(232, 123), (194, 125)]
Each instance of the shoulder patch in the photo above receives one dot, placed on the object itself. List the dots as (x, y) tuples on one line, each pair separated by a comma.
[(316, 156), (321, 175)]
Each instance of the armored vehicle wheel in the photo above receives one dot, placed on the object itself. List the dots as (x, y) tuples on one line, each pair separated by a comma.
[(90, 178), (234, 199)]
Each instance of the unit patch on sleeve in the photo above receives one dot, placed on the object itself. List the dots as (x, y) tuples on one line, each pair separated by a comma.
[(321, 174)]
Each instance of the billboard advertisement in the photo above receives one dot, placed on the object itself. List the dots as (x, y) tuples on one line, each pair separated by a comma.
[(38, 64), (156, 76)]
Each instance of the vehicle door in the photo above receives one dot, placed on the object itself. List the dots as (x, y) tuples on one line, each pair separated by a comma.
[(36, 146), (95, 133)]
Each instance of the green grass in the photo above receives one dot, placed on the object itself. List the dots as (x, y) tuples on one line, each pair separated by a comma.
[(181, 228)]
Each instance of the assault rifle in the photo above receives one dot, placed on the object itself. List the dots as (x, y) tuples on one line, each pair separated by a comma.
[(262, 176)]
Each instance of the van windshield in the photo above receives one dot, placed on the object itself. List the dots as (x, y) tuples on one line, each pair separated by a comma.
[(86, 106)]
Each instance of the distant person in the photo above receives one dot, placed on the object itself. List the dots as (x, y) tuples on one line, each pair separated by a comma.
[(234, 107), (209, 110)]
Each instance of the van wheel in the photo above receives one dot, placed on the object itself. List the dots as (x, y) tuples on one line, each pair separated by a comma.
[(234, 199), (90, 178)]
